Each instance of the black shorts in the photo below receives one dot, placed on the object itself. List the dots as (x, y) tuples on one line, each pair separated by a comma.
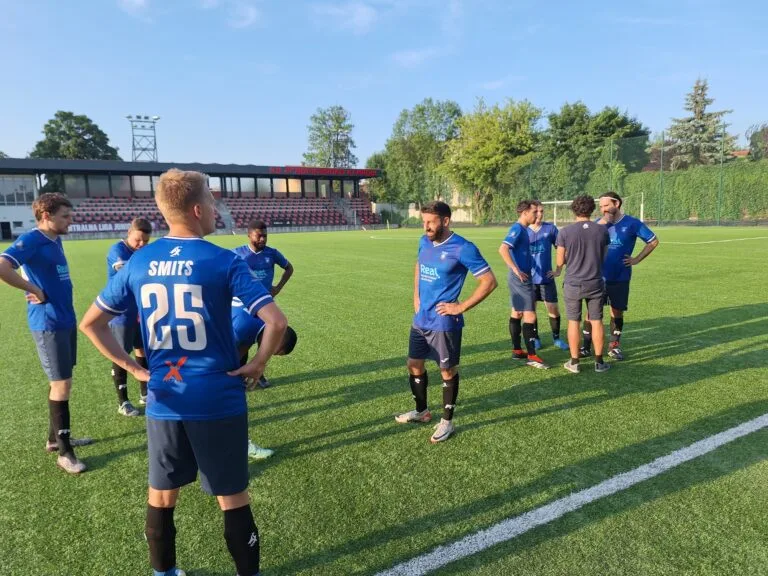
[(592, 292), (617, 295), (442, 347), (545, 292), (128, 336), (522, 297), (57, 350), (217, 448)]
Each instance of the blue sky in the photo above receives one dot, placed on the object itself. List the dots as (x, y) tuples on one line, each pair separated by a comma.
[(237, 80)]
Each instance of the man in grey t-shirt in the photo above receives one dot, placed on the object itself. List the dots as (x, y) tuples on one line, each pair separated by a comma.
[(581, 248)]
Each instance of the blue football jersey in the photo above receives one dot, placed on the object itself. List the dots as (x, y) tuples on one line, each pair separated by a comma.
[(262, 263), (117, 257), (183, 288), (623, 235), (519, 247), (542, 241), (43, 263), (246, 327), (443, 268)]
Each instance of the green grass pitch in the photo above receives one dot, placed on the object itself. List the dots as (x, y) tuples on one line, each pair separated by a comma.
[(351, 492)]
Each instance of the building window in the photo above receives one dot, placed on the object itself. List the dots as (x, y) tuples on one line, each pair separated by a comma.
[(233, 187), (294, 188), (323, 189), (310, 188), (247, 188), (280, 186), (142, 186), (75, 186), (349, 188), (98, 186), (17, 224), (121, 186), (264, 187), (214, 183)]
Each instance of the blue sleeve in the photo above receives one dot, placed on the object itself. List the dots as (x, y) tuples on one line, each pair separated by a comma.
[(471, 258), (512, 237), (281, 260), (116, 298), (555, 235), (644, 233), (113, 257), (21, 251), (251, 293)]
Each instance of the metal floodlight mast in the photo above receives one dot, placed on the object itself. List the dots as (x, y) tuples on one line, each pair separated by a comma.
[(144, 137)]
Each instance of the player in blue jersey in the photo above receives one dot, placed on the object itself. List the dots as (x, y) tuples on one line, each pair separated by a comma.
[(624, 230), (515, 250), (39, 256), (126, 326), (262, 259), (196, 407), (248, 331), (542, 236), (444, 258)]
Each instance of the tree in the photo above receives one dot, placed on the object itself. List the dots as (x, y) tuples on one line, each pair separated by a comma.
[(416, 149), (330, 139), (701, 137), (379, 189), (3, 154), (757, 136), (74, 137), (494, 143)]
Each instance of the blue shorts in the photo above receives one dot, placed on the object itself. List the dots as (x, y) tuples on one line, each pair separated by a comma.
[(57, 350), (545, 292), (247, 328), (522, 297), (217, 448), (442, 347), (128, 336), (617, 295)]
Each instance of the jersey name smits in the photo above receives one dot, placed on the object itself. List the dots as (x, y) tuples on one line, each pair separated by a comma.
[(170, 268)]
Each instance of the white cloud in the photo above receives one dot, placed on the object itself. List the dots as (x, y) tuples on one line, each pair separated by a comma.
[(133, 6), (243, 15), (414, 58), (358, 17)]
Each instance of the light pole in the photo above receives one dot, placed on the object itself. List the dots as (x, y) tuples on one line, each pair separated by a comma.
[(144, 137)]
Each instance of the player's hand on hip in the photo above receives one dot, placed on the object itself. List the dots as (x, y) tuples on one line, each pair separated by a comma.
[(448, 308), (274, 291), (523, 276), (36, 297), (250, 373), (629, 261)]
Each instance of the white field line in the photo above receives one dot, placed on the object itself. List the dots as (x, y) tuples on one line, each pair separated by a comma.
[(718, 241), (513, 527)]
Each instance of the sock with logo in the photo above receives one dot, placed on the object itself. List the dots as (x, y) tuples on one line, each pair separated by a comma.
[(536, 327), (58, 412), (419, 389), (120, 378), (587, 333), (530, 338), (142, 361), (242, 538), (554, 323), (160, 532), (515, 330), (450, 394), (617, 325)]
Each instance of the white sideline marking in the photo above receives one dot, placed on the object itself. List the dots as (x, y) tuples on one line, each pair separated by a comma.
[(719, 241), (512, 527)]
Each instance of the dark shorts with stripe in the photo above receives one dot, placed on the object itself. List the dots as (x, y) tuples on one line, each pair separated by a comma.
[(592, 292), (442, 347), (522, 297), (217, 448), (617, 295), (57, 350), (545, 292), (128, 335)]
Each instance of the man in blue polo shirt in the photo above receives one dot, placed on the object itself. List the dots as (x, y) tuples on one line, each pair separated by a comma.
[(197, 416), (624, 230), (515, 250), (542, 236), (126, 326), (262, 259), (39, 255), (444, 258)]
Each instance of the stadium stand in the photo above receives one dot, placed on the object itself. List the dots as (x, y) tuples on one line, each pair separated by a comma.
[(284, 211), (362, 207), (116, 210)]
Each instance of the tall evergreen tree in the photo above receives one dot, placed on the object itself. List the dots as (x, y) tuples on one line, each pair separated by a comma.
[(330, 139)]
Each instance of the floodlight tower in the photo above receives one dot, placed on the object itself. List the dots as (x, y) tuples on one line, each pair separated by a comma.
[(144, 137)]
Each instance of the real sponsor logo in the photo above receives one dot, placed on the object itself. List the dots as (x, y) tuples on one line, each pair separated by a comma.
[(428, 273)]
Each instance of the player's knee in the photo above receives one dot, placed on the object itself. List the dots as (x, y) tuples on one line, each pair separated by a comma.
[(449, 373), (415, 366)]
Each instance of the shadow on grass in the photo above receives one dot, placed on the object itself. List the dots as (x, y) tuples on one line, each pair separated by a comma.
[(557, 484)]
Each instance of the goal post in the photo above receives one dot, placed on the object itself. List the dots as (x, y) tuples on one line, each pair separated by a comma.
[(559, 211)]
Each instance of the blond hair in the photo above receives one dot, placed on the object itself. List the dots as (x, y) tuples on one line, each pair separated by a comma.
[(177, 191)]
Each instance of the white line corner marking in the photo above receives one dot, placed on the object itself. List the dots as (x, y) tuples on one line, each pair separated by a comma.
[(513, 527)]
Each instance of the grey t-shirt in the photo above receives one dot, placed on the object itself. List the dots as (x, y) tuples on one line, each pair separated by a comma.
[(585, 245)]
